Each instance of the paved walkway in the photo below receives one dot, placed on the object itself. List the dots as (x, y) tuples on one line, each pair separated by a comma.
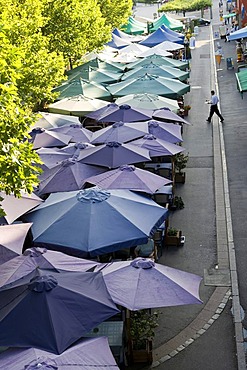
[(206, 224)]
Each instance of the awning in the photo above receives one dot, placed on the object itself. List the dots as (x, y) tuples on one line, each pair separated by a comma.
[(242, 80)]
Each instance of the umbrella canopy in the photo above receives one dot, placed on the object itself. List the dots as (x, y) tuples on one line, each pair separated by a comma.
[(68, 175), (123, 113), (171, 32), (92, 353), (155, 51), (136, 49), (154, 69), (98, 75), (157, 147), (76, 105), (12, 238), (169, 45), (118, 42), (53, 309), (52, 157), (16, 207), (114, 154), (157, 59), (165, 114), (49, 120), (163, 86), (166, 286), (239, 34), (148, 101), (81, 87), (120, 132), (158, 37), (41, 137), (165, 131), (105, 221), (76, 131), (14, 270), (130, 178), (125, 58)]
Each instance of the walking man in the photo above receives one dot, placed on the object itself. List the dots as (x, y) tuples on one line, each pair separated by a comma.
[(214, 107)]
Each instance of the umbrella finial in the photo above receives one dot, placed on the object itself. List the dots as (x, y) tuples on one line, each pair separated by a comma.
[(143, 263), (149, 137), (117, 124), (92, 195), (113, 144), (127, 167), (34, 252), (42, 283), (124, 106), (153, 123), (41, 363)]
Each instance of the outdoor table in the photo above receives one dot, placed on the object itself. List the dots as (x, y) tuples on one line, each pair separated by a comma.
[(162, 169)]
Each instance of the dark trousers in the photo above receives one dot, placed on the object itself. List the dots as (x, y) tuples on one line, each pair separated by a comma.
[(214, 109)]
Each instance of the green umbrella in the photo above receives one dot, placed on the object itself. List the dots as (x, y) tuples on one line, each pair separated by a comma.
[(82, 87), (148, 101), (155, 69), (159, 60), (167, 87), (97, 75)]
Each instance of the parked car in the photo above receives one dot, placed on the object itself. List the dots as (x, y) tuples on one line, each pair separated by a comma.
[(202, 22)]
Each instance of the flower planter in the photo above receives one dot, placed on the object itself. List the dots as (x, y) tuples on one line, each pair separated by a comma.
[(142, 355), (173, 240), (179, 177)]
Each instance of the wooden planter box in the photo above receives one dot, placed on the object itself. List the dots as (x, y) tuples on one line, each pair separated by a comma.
[(173, 240), (144, 355), (180, 178)]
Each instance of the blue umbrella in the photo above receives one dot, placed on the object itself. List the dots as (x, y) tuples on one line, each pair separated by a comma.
[(95, 221), (51, 310)]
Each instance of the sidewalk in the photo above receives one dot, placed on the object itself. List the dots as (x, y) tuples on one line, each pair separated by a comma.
[(202, 337)]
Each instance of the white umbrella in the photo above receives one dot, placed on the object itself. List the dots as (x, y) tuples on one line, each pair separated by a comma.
[(148, 101)]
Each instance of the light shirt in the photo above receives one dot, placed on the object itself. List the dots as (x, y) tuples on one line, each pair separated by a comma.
[(214, 100), (144, 250)]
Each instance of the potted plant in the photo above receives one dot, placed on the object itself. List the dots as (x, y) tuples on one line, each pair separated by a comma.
[(186, 109), (180, 162), (173, 237), (142, 331)]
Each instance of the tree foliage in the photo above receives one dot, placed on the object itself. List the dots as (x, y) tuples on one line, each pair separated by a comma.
[(75, 27), (115, 12), (185, 5)]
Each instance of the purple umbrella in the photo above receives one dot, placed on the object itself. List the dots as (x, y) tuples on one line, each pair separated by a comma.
[(51, 310), (157, 147), (16, 207), (114, 154), (109, 108), (124, 113), (77, 132), (91, 353), (44, 138), (12, 238), (120, 132), (165, 131), (128, 283), (14, 270), (68, 175), (167, 115), (130, 178), (53, 156)]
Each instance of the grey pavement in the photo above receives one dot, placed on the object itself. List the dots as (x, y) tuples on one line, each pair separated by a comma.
[(209, 336)]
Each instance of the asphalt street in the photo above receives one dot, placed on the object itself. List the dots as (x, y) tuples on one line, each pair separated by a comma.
[(216, 347)]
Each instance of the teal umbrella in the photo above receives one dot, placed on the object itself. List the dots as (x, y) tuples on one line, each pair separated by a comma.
[(97, 75), (76, 105), (167, 87), (148, 101), (82, 87), (159, 60), (155, 69)]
